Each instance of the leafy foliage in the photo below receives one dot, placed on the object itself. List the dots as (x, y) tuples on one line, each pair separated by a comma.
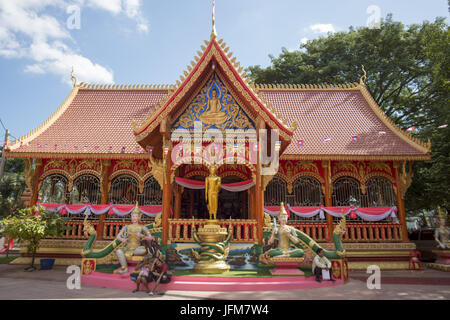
[(24, 226), (12, 186)]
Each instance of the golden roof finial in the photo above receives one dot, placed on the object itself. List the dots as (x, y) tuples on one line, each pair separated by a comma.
[(213, 31), (74, 79), (363, 79)]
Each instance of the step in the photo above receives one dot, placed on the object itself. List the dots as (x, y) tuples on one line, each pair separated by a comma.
[(196, 283)]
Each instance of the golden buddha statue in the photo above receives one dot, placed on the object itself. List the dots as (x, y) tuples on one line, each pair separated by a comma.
[(212, 188), (213, 113)]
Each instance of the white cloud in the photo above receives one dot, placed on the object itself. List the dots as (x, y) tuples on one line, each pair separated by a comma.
[(304, 40), (130, 8), (133, 11), (113, 6), (322, 28), (59, 59), (27, 32)]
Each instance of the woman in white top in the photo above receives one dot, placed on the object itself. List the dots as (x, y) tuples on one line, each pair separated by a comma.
[(320, 264)]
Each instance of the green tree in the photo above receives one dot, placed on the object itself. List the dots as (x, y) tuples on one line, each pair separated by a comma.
[(11, 187), (407, 74), (24, 226), (432, 183)]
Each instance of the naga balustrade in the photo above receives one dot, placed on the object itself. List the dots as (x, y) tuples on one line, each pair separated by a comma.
[(373, 232), (318, 231), (76, 230), (180, 230)]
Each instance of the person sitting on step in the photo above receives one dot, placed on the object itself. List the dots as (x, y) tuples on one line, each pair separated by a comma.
[(160, 273), (321, 265), (144, 274)]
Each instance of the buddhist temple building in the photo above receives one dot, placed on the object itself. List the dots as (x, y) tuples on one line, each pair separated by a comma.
[(109, 146)]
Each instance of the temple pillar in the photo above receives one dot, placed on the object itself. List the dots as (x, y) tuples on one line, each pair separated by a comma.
[(33, 176), (259, 189), (167, 199), (167, 186), (105, 184), (259, 212), (403, 181), (328, 190)]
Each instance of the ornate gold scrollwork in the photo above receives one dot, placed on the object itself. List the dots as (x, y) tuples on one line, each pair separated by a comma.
[(404, 178), (157, 167)]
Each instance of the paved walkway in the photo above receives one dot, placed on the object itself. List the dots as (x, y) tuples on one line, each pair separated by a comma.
[(395, 285)]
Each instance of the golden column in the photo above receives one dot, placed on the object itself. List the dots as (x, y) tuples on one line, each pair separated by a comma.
[(33, 176), (326, 165), (106, 164), (259, 189), (403, 181), (167, 186)]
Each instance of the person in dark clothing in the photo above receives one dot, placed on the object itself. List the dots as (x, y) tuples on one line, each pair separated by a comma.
[(160, 273)]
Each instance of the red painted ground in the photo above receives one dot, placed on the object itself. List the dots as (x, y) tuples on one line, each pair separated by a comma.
[(193, 283)]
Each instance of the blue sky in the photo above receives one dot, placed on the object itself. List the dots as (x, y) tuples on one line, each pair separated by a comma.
[(147, 41)]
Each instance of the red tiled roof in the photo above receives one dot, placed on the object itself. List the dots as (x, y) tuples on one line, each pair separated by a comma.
[(328, 120), (102, 118), (97, 119)]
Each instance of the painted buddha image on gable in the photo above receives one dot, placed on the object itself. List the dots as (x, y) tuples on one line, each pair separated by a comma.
[(215, 107)]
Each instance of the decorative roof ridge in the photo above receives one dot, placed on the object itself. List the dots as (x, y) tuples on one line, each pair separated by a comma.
[(47, 123), (297, 87), (94, 86), (192, 68), (424, 147), (246, 79), (66, 155), (138, 127), (341, 157)]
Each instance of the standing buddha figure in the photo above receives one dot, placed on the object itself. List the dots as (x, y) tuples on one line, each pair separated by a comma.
[(212, 189)]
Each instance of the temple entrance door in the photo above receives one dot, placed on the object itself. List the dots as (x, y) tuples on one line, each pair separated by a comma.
[(232, 204)]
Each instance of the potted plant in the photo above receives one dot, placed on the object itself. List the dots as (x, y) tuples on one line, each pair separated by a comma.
[(25, 226)]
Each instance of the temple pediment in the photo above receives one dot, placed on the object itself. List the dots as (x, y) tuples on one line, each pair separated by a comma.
[(215, 108), (237, 104)]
